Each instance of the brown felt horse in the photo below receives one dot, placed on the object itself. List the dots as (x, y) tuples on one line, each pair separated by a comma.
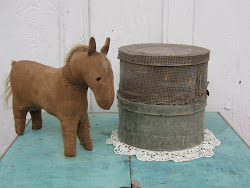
[(62, 92)]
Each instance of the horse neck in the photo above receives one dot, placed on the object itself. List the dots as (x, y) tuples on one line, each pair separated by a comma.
[(70, 77)]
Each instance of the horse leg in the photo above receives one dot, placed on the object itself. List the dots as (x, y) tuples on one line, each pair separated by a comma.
[(19, 115), (69, 131), (83, 132), (36, 119), (20, 119)]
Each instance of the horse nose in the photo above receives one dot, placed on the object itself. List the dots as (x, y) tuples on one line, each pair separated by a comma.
[(104, 98), (107, 102), (106, 105)]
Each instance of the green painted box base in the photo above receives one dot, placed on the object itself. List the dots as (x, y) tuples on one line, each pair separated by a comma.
[(161, 127)]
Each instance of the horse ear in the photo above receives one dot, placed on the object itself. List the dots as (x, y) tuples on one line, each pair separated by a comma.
[(105, 48), (92, 46)]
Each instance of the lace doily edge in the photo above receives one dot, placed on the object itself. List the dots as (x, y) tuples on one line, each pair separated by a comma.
[(205, 149)]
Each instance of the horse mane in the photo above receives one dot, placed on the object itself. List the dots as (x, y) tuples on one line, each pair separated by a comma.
[(84, 48), (74, 50)]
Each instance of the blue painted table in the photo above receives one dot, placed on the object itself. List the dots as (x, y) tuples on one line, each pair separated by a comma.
[(36, 160)]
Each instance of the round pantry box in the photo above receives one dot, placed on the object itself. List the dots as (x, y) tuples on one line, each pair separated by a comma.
[(162, 95)]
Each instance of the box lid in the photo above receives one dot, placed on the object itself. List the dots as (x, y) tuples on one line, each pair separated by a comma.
[(163, 54)]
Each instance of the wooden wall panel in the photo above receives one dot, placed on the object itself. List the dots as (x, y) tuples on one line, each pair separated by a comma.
[(224, 27), (180, 22), (73, 25)]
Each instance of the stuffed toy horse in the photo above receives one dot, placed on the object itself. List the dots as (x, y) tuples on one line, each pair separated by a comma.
[(62, 92)]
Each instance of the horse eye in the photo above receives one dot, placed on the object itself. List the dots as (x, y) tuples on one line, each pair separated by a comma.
[(98, 79)]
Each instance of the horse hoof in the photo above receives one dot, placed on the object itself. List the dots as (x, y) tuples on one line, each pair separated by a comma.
[(68, 154), (36, 127), (88, 146), (19, 132)]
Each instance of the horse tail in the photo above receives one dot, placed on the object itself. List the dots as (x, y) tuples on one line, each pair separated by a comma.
[(74, 50), (8, 90)]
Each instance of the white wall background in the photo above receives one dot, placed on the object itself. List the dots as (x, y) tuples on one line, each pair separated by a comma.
[(44, 31)]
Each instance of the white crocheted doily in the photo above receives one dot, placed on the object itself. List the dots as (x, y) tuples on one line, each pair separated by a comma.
[(205, 149)]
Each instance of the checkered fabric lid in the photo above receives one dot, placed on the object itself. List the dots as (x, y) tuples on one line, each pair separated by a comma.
[(163, 54)]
